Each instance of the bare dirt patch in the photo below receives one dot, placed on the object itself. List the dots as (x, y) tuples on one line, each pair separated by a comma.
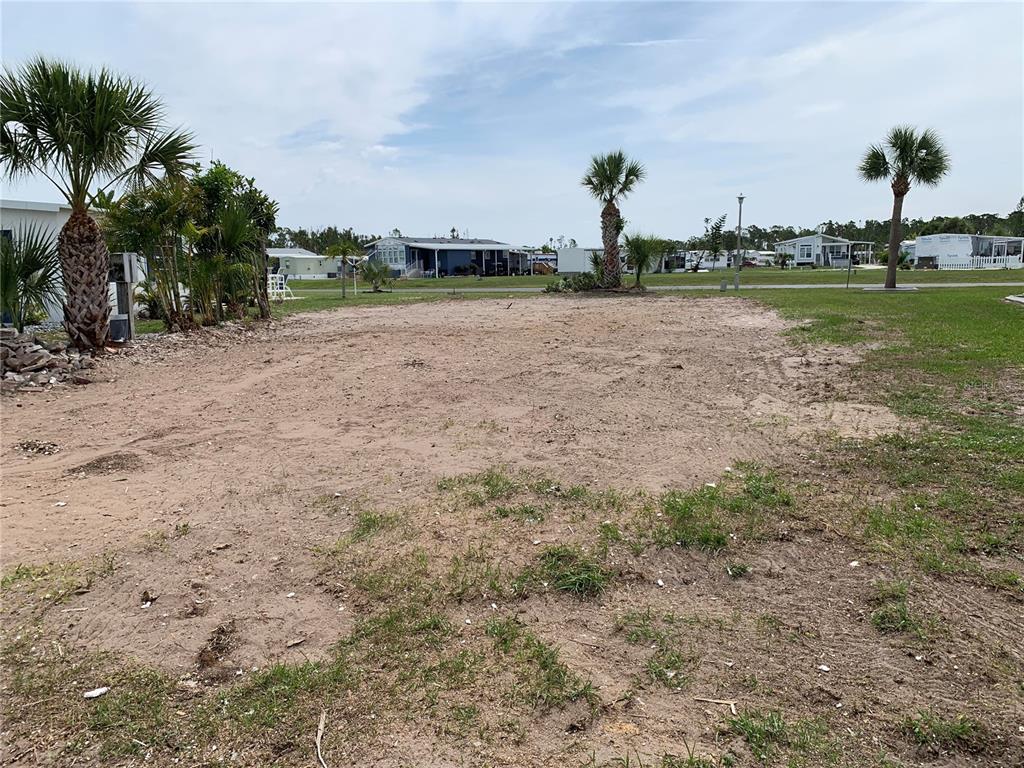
[(120, 461), (283, 496)]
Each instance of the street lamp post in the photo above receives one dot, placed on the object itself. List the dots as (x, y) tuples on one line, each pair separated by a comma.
[(739, 241)]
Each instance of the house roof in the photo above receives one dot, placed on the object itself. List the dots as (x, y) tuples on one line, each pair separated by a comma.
[(31, 205), (831, 238), (449, 243), (295, 253)]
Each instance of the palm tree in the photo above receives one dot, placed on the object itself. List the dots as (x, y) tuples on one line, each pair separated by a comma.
[(376, 273), (29, 273), (642, 251), (906, 156), (611, 177), (83, 130), (346, 252)]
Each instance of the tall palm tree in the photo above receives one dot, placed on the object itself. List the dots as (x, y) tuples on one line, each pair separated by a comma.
[(88, 133), (610, 178), (905, 156)]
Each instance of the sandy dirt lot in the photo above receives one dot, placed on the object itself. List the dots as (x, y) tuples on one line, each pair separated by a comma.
[(213, 475)]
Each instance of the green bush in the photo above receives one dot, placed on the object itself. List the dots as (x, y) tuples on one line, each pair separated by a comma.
[(584, 281)]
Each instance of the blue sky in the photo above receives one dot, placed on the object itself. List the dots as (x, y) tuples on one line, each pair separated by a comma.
[(484, 116)]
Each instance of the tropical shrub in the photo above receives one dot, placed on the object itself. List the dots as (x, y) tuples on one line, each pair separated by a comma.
[(29, 275)]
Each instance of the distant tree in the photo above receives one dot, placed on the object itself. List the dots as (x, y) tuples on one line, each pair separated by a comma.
[(346, 253), (1016, 220), (611, 178), (87, 133), (905, 156), (572, 242), (396, 232), (712, 244)]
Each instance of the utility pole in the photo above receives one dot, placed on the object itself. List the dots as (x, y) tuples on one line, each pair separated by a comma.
[(738, 260)]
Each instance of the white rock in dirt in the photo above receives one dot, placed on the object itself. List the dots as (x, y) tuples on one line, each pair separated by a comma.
[(660, 583), (95, 693), (824, 668)]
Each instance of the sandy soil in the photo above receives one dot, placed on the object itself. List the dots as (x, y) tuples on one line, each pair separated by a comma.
[(213, 470), (238, 437)]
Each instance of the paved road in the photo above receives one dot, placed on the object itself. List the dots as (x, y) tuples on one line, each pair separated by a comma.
[(753, 286)]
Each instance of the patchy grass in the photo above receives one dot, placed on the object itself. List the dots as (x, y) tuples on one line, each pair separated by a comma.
[(369, 523), (524, 513), (807, 741), (490, 485), (567, 569), (891, 613), (737, 570), (764, 732), (474, 573), (543, 680), (704, 518), (937, 733)]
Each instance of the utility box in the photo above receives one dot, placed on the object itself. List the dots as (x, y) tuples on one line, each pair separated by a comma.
[(123, 274)]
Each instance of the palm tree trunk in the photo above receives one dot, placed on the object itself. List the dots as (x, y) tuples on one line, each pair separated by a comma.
[(85, 263), (895, 228), (610, 225)]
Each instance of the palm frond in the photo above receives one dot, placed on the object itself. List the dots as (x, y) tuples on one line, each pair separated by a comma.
[(902, 143), (875, 165), (932, 161), (612, 176), (84, 129)]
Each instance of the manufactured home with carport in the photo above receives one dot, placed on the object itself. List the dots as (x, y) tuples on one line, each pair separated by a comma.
[(824, 251), (444, 256), (955, 251)]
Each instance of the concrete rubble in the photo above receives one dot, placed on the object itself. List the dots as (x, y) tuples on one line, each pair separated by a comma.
[(26, 360)]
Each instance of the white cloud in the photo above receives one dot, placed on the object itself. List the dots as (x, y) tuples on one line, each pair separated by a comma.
[(484, 116)]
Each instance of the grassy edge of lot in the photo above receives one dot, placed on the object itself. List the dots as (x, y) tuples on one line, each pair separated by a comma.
[(952, 362), (753, 276)]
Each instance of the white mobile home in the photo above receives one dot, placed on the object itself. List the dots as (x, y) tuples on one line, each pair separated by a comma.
[(965, 252), (573, 261), (824, 251), (300, 264)]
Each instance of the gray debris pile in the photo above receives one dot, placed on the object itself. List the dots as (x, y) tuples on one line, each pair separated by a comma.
[(27, 360)]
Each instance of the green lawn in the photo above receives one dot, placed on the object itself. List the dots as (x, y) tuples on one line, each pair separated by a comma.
[(753, 276), (952, 362)]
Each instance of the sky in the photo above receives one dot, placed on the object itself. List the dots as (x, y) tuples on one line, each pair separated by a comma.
[(484, 117)]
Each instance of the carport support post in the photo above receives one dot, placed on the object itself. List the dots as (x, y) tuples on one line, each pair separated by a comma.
[(849, 263)]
